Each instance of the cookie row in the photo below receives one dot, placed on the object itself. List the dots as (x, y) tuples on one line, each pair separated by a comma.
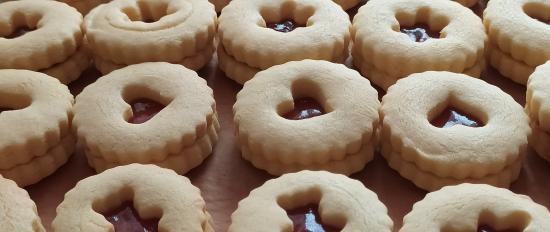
[(145, 197)]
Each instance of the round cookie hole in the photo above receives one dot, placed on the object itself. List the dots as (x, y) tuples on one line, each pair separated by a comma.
[(13, 101), (143, 103), (286, 19), (449, 115), (304, 105), (487, 220), (421, 26), (303, 210), (538, 11), (147, 12), (20, 25)]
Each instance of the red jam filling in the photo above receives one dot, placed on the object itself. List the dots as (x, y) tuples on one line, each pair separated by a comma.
[(307, 219), (485, 228), (419, 33), (284, 26), (19, 32), (305, 108), (452, 117), (144, 109), (126, 219)]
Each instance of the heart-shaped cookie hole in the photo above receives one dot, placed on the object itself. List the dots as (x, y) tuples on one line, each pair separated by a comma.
[(147, 11), (126, 218), (144, 102), (20, 25), (421, 26), (449, 114), (515, 221), (13, 101), (287, 18), (538, 11), (305, 104)]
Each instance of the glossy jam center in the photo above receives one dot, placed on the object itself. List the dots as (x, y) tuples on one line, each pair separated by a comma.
[(307, 219), (284, 26), (305, 108), (485, 228), (126, 219), (419, 33), (452, 117), (144, 109), (19, 32)]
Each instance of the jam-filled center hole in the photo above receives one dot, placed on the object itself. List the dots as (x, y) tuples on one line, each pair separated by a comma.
[(284, 26), (143, 109), (538, 11), (18, 32), (307, 219), (147, 11), (452, 116), (126, 219), (420, 32), (287, 17), (487, 228), (305, 108)]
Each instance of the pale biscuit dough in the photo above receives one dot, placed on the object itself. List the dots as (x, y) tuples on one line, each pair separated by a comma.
[(240, 72), (343, 93), (18, 210), (41, 166), (507, 66), (511, 25), (194, 62), (243, 32), (154, 191), (183, 28), (84, 6), (343, 202), (377, 36), (457, 152), (70, 70), (56, 37), (384, 80), (38, 100), (465, 207), (189, 158), (101, 112), (537, 106)]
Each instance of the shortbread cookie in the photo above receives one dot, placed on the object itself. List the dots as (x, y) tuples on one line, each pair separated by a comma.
[(70, 70), (31, 98), (42, 166), (194, 62), (103, 111), (84, 6), (538, 108), (155, 193), (458, 45), (52, 33), (519, 28), (240, 72), (18, 210), (465, 148), (476, 207), (264, 130), (135, 31), (189, 158), (515, 70), (315, 29), (343, 203)]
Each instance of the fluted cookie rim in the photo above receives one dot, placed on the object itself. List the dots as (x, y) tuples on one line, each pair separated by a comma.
[(70, 69), (537, 103), (342, 92), (113, 36), (454, 207), (447, 152), (462, 43), (36, 98), (507, 66), (142, 185), (339, 198), (18, 209), (540, 141), (54, 20), (101, 112), (509, 27), (194, 62), (245, 37)]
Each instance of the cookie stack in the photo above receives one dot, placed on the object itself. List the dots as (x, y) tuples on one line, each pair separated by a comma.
[(157, 113), (257, 34), (35, 135), (518, 33), (536, 105), (393, 39), (125, 32), (27, 23)]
